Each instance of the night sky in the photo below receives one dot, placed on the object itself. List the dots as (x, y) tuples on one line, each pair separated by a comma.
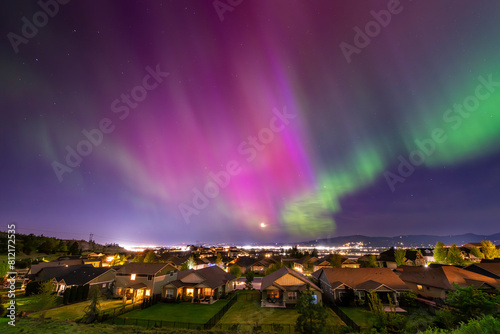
[(157, 122)]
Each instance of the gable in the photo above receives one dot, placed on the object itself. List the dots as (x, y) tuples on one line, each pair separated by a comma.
[(192, 278), (289, 280)]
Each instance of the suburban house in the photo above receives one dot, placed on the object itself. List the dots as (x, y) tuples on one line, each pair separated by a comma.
[(428, 254), (247, 264), (325, 262), (387, 259), (60, 262), (487, 269), (99, 277), (136, 281), (283, 287), (64, 277), (204, 285), (437, 281), (305, 263), (338, 283)]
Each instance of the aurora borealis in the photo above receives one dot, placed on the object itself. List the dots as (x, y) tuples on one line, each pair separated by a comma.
[(247, 123)]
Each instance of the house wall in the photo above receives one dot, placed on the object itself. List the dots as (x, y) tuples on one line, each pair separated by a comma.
[(427, 291), (324, 284), (289, 280)]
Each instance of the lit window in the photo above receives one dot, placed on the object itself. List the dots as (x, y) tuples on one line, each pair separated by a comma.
[(148, 292), (103, 285), (419, 287), (132, 277), (189, 292)]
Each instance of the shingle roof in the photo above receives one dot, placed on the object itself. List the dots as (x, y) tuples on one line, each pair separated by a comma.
[(268, 280), (83, 275), (356, 277), (214, 277), (493, 268), (443, 277), (142, 268)]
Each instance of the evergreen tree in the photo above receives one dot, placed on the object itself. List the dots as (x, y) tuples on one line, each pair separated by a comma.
[(93, 310), (312, 316)]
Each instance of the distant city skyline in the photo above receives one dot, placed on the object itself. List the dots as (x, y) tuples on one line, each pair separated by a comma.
[(282, 121)]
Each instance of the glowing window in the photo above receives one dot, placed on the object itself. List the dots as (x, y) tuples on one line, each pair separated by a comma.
[(189, 292), (419, 287), (148, 292), (132, 277)]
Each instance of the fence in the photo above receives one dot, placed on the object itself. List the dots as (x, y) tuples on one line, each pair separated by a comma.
[(211, 323), (345, 318), (173, 324), (115, 312)]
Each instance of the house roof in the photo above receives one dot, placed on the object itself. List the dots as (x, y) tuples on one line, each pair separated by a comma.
[(443, 277), (493, 268), (73, 275), (268, 280), (84, 274), (136, 286), (142, 268), (245, 261), (362, 278), (213, 277)]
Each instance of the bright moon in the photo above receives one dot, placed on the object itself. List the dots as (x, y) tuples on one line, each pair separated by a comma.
[(262, 225)]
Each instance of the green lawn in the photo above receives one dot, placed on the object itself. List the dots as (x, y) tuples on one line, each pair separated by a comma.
[(26, 304), (36, 326), (248, 311), (74, 311), (184, 312), (360, 316)]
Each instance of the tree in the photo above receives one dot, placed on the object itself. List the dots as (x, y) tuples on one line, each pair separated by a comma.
[(336, 260), (235, 270), (489, 250), (93, 310), (150, 257), (218, 260), (75, 249), (372, 261), (249, 276), (454, 256), (66, 294), (4, 269), (400, 256), (138, 258), (440, 253), (471, 302), (314, 253), (476, 252), (273, 268), (46, 297), (295, 253), (312, 316)]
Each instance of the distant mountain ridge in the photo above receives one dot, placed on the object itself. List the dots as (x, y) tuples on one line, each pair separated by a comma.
[(404, 240)]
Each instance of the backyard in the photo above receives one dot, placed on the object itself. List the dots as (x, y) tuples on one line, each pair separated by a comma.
[(361, 316), (182, 313), (247, 311), (74, 311)]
